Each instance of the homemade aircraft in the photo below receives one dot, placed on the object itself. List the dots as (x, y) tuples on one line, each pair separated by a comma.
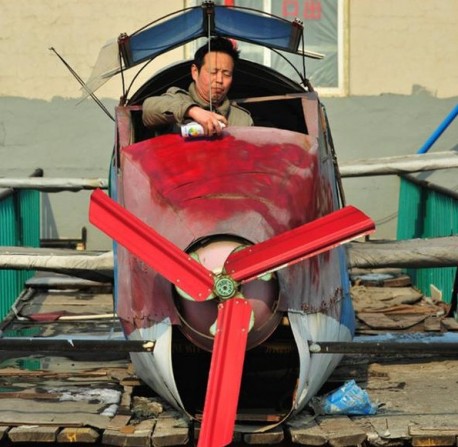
[(228, 250)]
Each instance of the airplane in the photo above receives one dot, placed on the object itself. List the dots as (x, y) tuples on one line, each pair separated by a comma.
[(229, 251)]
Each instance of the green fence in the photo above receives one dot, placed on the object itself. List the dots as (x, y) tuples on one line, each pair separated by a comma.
[(426, 211), (19, 226)]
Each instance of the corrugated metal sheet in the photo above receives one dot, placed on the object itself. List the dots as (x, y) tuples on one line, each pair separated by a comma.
[(426, 211), (8, 236), (410, 212), (19, 226), (29, 217)]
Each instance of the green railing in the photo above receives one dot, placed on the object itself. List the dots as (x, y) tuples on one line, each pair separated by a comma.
[(426, 211), (19, 226)]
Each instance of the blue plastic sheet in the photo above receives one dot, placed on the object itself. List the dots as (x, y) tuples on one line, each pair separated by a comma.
[(348, 399)]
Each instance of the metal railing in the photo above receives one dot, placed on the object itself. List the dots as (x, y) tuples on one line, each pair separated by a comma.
[(427, 210), (19, 226)]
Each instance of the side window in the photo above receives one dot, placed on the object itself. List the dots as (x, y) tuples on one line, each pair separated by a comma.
[(323, 33), (322, 30)]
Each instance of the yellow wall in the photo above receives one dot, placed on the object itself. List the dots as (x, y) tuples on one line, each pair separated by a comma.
[(77, 29), (397, 45), (392, 45)]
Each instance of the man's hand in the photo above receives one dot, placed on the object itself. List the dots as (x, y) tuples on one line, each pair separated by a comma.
[(210, 121)]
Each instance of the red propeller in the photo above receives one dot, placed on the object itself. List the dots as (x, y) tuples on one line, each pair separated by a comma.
[(223, 388), (302, 242), (234, 314), (148, 245)]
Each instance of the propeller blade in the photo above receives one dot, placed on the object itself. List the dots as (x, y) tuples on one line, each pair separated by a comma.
[(299, 243), (225, 375), (148, 245)]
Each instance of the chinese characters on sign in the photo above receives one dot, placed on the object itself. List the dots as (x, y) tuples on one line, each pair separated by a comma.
[(322, 21), (304, 10)]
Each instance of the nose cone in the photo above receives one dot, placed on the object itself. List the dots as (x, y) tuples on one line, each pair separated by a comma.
[(198, 317)]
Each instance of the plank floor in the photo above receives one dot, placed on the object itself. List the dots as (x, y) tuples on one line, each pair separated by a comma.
[(96, 399)]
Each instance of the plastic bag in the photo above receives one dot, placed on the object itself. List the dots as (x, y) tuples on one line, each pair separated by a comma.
[(348, 399)]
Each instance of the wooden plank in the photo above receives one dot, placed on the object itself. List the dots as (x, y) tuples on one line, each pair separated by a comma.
[(433, 324), (390, 429), (394, 430), (3, 431), (398, 281), (415, 395), (82, 370), (78, 434), (378, 320), (305, 431), (54, 184), (130, 381), (69, 308), (381, 279), (119, 422), (373, 438), (255, 415), (398, 164), (126, 401), (130, 435), (33, 433), (79, 298), (380, 299), (237, 436), (70, 414), (273, 436), (450, 324), (171, 429), (430, 436), (412, 253), (51, 280), (419, 253), (341, 431)]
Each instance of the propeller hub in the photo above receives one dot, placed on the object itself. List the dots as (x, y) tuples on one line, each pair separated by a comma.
[(225, 286)]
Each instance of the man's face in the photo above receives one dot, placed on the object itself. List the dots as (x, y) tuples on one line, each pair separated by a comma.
[(214, 79)]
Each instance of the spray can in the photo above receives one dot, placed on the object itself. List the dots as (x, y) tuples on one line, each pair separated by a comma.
[(194, 130)]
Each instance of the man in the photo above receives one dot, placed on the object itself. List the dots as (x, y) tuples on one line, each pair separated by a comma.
[(205, 102)]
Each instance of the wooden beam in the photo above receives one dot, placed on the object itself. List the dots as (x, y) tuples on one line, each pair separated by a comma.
[(402, 164), (78, 434), (54, 184), (411, 253), (32, 434), (87, 265), (172, 429)]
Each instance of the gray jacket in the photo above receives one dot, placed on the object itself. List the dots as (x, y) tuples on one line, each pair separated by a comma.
[(171, 107)]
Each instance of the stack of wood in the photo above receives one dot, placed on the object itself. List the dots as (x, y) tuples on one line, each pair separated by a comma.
[(385, 300)]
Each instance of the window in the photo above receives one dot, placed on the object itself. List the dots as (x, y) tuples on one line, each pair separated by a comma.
[(323, 33)]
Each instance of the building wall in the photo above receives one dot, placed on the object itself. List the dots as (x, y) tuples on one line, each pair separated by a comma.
[(393, 46), (402, 82), (77, 29), (400, 46)]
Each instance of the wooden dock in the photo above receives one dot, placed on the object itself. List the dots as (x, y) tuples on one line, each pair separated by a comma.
[(95, 398)]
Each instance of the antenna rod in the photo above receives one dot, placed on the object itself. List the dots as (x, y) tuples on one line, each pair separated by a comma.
[(83, 84)]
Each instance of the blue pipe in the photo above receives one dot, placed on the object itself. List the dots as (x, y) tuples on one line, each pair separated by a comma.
[(438, 132)]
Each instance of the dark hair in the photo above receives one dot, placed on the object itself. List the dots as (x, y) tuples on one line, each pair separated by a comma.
[(220, 44)]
